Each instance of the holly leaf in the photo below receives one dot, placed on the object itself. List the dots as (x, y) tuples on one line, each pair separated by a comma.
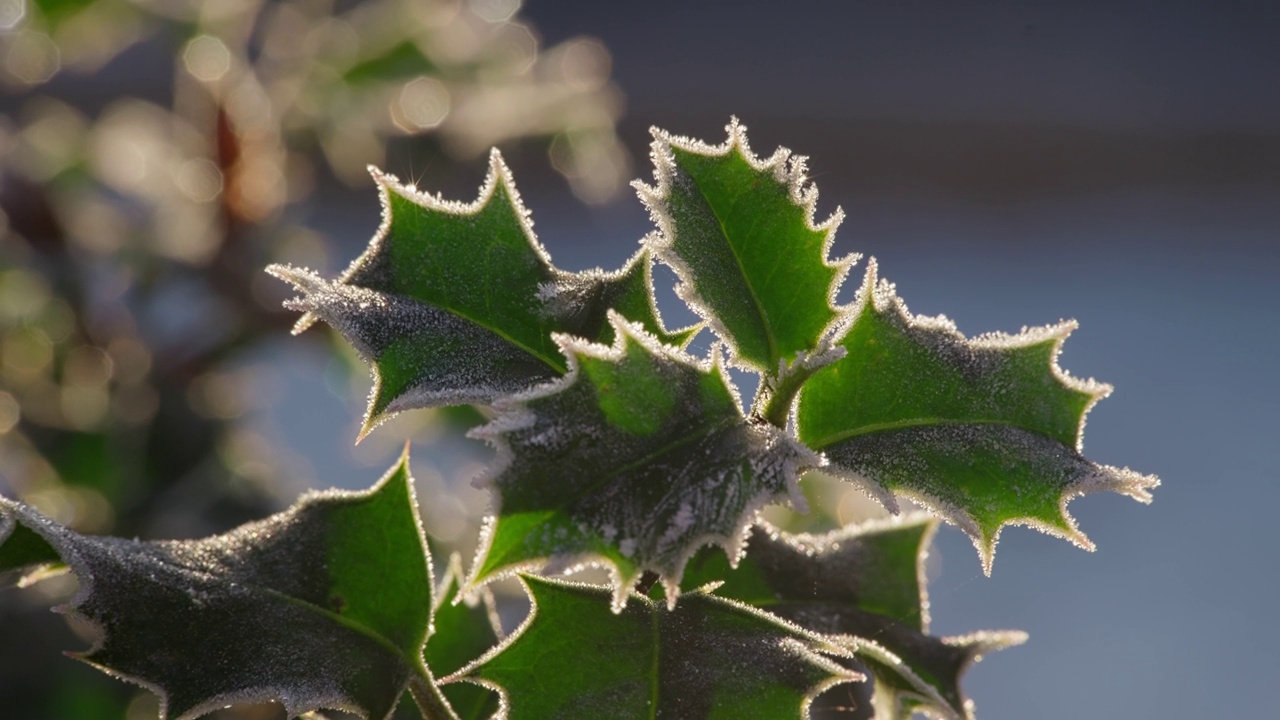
[(465, 627), (739, 233), (706, 658), (455, 303), (636, 459), (986, 431), (865, 583), (583, 301), (326, 605)]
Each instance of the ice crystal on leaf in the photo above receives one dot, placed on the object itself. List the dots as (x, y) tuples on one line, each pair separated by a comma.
[(739, 233), (326, 605), (708, 657), (635, 459), (455, 303), (987, 432), (864, 585)]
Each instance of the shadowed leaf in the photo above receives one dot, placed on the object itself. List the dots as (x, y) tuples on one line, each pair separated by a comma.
[(706, 658), (637, 458), (326, 605), (867, 583)]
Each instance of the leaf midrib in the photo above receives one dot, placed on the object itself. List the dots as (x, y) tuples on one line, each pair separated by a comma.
[(435, 301), (558, 367), (911, 423), (342, 620), (751, 291)]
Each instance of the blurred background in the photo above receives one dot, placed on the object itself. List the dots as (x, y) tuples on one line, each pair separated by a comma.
[(1008, 163)]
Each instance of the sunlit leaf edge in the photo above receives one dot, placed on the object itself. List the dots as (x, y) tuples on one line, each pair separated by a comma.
[(786, 168), (1105, 478)]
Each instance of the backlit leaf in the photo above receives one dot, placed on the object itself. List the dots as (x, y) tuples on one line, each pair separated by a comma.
[(739, 232), (455, 303), (987, 431)]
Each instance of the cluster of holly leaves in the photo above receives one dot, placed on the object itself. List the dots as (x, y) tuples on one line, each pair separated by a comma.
[(618, 449)]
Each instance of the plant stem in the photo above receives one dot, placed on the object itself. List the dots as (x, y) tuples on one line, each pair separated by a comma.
[(426, 695), (773, 404), (773, 400)]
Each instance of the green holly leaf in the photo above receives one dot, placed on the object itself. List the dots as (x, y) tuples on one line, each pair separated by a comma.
[(456, 303), (706, 658), (637, 458), (739, 233), (866, 583), (986, 432), (465, 627), (583, 301), (326, 605)]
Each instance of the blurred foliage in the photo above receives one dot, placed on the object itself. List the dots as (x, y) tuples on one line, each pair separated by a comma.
[(135, 229)]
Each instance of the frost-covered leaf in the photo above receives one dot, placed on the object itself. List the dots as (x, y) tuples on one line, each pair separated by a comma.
[(326, 605), (583, 301), (986, 431), (706, 658), (865, 582), (463, 631), (636, 459), (739, 232), (455, 303)]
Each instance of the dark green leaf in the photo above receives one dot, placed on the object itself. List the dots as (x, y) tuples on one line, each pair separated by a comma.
[(327, 604), (706, 658), (584, 300), (464, 629), (22, 549), (987, 432), (637, 458), (455, 303), (865, 582), (739, 233)]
